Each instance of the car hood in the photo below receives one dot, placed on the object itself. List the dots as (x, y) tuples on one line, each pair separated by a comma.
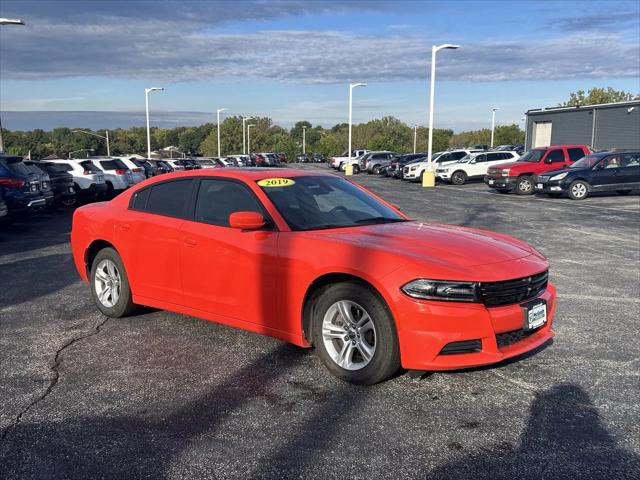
[(513, 164), (551, 173), (447, 245)]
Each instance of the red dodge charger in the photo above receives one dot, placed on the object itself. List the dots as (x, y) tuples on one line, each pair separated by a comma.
[(318, 261)]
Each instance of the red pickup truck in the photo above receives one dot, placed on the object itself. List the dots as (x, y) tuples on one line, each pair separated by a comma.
[(521, 175)]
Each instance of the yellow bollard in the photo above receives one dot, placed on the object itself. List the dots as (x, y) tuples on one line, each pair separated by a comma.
[(348, 170), (428, 179)]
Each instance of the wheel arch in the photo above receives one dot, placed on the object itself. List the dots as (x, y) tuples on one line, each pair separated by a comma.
[(323, 281), (92, 250)]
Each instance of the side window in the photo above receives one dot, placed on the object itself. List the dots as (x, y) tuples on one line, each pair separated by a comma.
[(481, 158), (556, 156), (108, 165), (611, 162), (61, 166), (444, 157), (169, 198), (630, 161), (575, 154), (490, 157), (139, 200), (457, 155), (217, 199)]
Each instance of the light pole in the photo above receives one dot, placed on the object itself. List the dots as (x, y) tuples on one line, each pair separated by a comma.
[(146, 103), (106, 137), (429, 178), (244, 135), (7, 21), (249, 138), (304, 140), (218, 114), (81, 150), (493, 122), (415, 137), (351, 87)]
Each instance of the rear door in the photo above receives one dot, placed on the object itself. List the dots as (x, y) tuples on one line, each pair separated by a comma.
[(153, 224), (629, 173)]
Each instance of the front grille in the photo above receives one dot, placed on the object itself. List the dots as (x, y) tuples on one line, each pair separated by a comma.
[(509, 338), (465, 346), (508, 292)]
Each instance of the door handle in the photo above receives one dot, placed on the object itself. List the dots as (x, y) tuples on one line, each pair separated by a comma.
[(190, 242), (124, 227)]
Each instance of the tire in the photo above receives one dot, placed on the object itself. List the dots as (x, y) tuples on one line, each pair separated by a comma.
[(421, 176), (524, 185), (376, 337), (458, 177), (376, 170), (578, 190), (623, 192), (356, 169), (118, 305)]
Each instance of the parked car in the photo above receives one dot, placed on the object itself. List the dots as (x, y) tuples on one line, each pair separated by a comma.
[(415, 171), (374, 161), (207, 163), (21, 187), (301, 158), (472, 166), (240, 160), (174, 163), (397, 164), (61, 183), (487, 297), (617, 171), (117, 175), (481, 147), (4, 211), (88, 180), (282, 157), (45, 183), (520, 176), (138, 173), (336, 162), (318, 158)]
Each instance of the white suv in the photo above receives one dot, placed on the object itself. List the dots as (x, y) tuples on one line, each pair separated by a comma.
[(137, 172), (474, 165), (116, 174), (88, 180), (414, 171)]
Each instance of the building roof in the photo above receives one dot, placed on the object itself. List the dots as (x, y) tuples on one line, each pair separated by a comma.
[(631, 103)]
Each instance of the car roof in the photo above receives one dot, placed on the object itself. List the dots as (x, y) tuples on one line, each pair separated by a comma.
[(248, 173)]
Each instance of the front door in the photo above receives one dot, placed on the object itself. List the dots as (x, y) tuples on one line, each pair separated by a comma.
[(605, 174), (227, 271)]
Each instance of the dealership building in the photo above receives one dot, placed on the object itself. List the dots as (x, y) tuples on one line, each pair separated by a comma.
[(604, 126)]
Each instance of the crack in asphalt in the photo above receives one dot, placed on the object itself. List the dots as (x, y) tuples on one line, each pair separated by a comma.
[(56, 376)]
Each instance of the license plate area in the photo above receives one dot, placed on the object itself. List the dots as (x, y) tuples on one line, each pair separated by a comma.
[(490, 182), (540, 186), (535, 314)]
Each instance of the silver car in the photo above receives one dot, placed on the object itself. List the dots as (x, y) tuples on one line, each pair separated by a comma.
[(117, 175)]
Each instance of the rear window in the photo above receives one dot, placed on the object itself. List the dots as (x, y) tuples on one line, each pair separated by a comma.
[(575, 154), (17, 166), (108, 164), (88, 166), (169, 198), (58, 167)]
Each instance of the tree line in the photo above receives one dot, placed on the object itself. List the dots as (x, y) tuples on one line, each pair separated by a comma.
[(387, 133)]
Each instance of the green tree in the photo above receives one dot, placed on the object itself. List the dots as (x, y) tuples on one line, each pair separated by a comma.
[(598, 95)]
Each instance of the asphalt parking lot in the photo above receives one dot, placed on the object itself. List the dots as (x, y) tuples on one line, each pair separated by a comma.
[(161, 395)]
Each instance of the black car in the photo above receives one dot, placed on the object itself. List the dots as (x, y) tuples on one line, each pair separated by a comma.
[(61, 183), (396, 167), (189, 164), (21, 187), (301, 158), (4, 211), (318, 158), (617, 171), (45, 182)]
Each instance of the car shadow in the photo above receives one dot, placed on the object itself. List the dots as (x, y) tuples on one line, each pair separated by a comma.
[(30, 233), (564, 439)]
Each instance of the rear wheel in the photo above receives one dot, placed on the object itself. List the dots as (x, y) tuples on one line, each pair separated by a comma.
[(110, 285), (524, 185), (578, 190), (354, 334), (459, 177)]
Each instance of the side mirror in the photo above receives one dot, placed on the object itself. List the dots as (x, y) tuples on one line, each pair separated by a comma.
[(246, 220)]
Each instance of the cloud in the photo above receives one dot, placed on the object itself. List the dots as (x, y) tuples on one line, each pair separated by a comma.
[(178, 41), (598, 22)]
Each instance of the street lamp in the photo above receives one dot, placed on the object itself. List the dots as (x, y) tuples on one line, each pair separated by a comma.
[(351, 87), (304, 140), (244, 135), (218, 113), (249, 138), (7, 21), (493, 122), (81, 150), (415, 137), (429, 178), (106, 137), (147, 91)]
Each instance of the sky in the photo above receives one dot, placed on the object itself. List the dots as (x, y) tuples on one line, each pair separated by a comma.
[(86, 63)]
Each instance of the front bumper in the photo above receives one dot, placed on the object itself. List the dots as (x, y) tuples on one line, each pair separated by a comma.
[(506, 183), (556, 186), (426, 327)]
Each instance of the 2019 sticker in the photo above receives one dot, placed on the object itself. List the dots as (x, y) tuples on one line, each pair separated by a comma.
[(276, 182)]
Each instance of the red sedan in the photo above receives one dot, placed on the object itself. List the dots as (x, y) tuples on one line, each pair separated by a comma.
[(316, 260)]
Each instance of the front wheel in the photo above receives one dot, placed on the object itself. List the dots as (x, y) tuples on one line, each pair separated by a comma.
[(110, 285), (356, 169), (376, 170), (354, 334), (524, 185), (578, 190), (459, 178)]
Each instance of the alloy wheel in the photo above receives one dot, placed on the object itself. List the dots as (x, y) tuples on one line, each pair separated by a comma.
[(107, 283), (349, 335), (579, 190)]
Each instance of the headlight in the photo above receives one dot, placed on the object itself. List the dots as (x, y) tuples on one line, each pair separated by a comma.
[(505, 172), (560, 176), (413, 168), (442, 290)]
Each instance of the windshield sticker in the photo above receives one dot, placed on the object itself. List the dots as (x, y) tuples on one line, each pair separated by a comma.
[(276, 182)]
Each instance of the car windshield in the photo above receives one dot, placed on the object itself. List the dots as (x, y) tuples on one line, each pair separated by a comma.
[(586, 162), (320, 202), (532, 156)]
